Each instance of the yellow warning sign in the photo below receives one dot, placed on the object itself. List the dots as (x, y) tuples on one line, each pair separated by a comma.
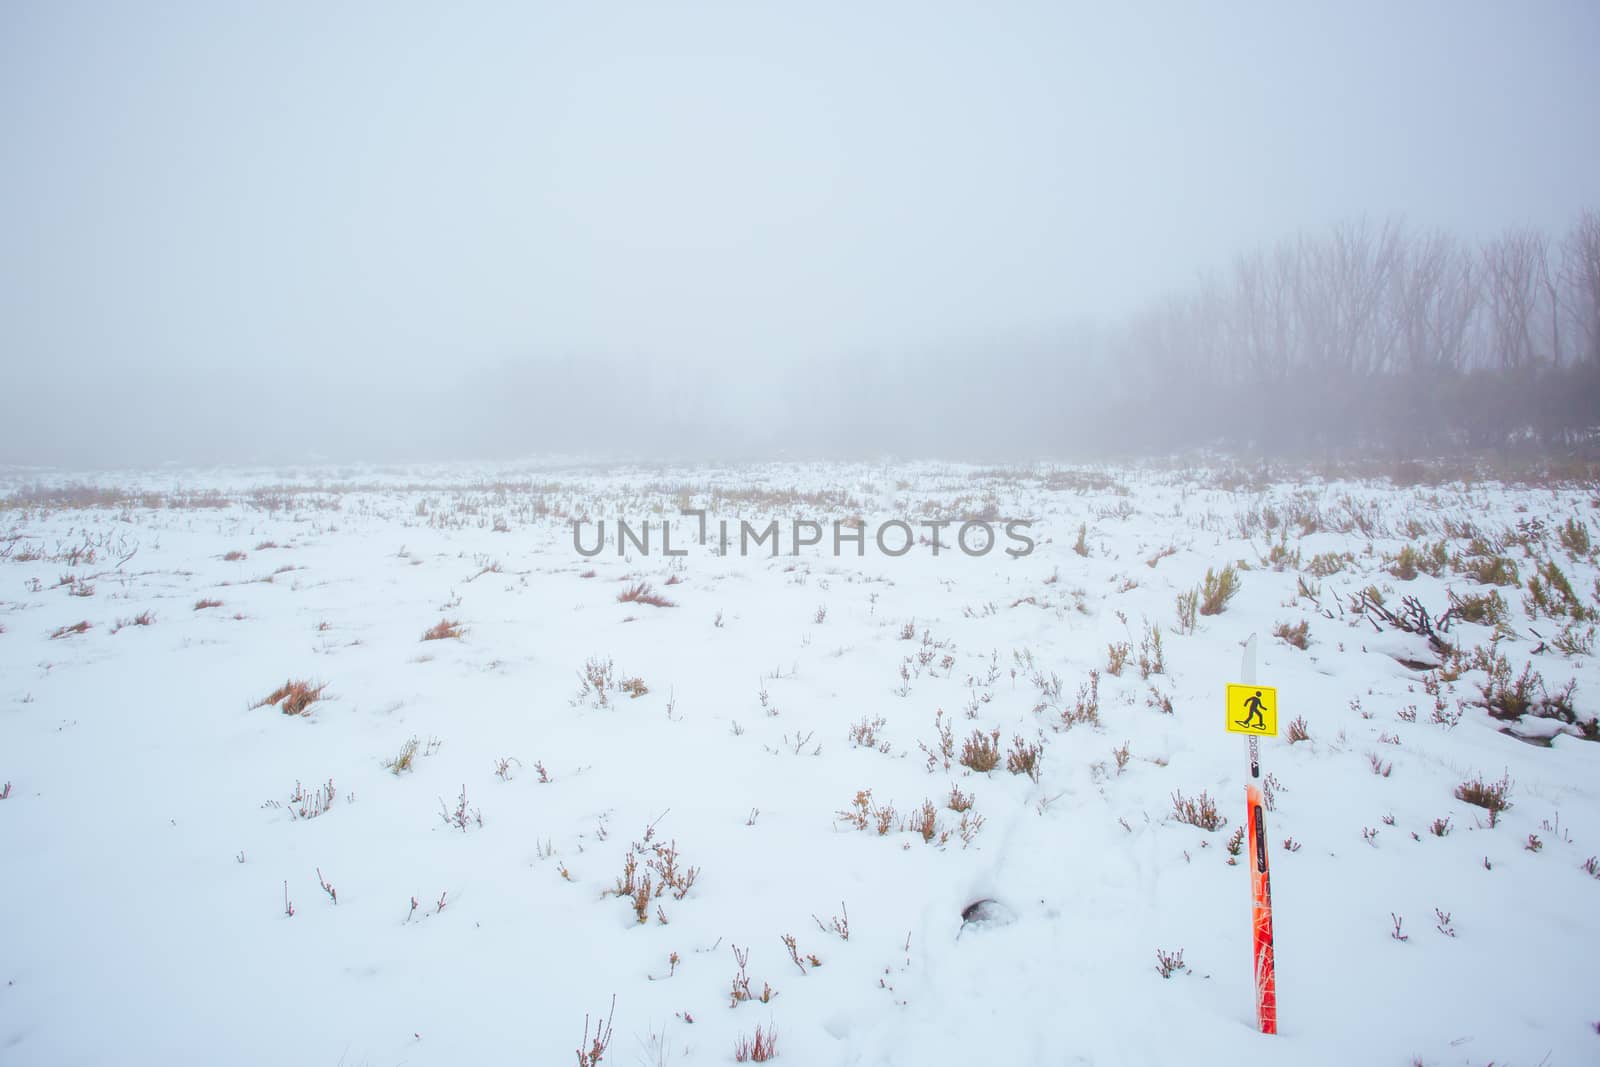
[(1253, 709)]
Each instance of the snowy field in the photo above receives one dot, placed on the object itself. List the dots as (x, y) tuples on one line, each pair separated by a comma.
[(487, 836)]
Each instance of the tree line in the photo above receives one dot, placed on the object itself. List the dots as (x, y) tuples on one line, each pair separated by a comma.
[(1375, 336)]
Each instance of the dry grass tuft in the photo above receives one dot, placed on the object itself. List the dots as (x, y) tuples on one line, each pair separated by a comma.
[(75, 628), (760, 1049), (206, 602), (442, 629), (404, 760), (642, 593), (294, 697)]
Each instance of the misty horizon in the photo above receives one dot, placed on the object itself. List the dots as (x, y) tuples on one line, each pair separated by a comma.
[(385, 233)]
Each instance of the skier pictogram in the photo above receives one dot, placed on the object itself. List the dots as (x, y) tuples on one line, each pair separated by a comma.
[(1254, 707)]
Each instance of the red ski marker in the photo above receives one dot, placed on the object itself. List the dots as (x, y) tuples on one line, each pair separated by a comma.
[(1261, 915)]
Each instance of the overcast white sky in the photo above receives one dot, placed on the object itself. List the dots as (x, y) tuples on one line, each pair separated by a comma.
[(227, 229)]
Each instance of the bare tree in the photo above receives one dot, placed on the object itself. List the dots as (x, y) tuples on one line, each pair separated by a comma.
[(1580, 286), (1343, 282), (1514, 266), (1435, 299)]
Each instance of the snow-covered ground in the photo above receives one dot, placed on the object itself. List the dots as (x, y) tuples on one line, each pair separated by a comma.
[(150, 830)]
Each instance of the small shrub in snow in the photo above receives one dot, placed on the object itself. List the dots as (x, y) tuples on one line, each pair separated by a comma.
[(1187, 605), (1411, 561), (925, 821), (1121, 756), (1200, 811), (1152, 658), (1298, 635), (1574, 536), (1170, 963), (865, 733), (863, 813), (1117, 657), (959, 801), (1494, 797), (981, 752), (1493, 570), (1217, 589), (461, 817), (327, 887), (840, 923), (206, 602), (1086, 708), (1550, 593), (1049, 687), (1024, 757), (670, 874), (741, 982), (1572, 641), (593, 1050), (794, 954), (1440, 827), (601, 682), (310, 805), (75, 628), (1297, 730), (1483, 609), (1327, 564)]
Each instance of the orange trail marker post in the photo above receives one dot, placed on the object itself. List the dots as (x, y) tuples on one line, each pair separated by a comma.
[(1249, 699)]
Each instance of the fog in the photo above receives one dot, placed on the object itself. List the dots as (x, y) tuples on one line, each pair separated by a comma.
[(270, 232)]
